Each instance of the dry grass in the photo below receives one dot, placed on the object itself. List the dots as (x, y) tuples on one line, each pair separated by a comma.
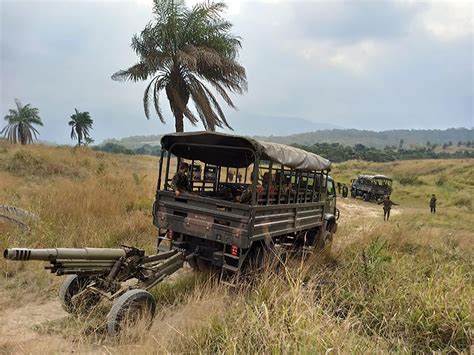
[(403, 286)]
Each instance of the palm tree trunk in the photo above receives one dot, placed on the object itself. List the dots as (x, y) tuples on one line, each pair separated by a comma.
[(179, 87), (179, 122), (22, 134), (177, 112)]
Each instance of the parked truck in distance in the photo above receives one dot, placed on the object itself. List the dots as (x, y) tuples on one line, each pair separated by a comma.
[(371, 187)]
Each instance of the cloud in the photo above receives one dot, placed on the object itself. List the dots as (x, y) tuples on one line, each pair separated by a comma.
[(450, 20)]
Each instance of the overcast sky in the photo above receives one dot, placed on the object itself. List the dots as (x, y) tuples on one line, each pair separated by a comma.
[(354, 64)]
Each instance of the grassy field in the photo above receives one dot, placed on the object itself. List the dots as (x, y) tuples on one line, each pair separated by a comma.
[(403, 286)]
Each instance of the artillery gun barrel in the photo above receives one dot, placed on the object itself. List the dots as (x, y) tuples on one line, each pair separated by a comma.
[(52, 254)]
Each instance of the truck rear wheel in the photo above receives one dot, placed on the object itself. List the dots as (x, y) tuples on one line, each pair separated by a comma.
[(134, 309), (324, 240), (74, 297)]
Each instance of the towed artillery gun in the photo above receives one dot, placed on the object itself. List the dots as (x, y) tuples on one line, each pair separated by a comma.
[(96, 273), (255, 199)]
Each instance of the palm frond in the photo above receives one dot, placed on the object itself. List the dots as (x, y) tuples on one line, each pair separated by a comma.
[(19, 212), (135, 73), (146, 98), (160, 84)]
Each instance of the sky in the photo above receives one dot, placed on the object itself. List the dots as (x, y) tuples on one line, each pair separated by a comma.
[(373, 65)]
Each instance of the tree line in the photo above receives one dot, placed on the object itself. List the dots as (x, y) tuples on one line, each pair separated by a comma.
[(337, 152)]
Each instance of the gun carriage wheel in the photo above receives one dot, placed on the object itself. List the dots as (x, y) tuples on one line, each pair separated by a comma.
[(74, 295), (129, 310)]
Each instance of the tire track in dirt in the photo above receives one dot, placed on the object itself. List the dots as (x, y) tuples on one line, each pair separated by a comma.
[(17, 327), (357, 218)]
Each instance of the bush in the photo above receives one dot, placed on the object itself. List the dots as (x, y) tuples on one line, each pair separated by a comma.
[(441, 180), (410, 180), (463, 202)]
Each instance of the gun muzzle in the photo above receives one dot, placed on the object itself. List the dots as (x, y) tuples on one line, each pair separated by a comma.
[(63, 253)]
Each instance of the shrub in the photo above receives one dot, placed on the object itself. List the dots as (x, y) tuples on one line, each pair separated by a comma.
[(410, 180), (441, 180), (463, 202)]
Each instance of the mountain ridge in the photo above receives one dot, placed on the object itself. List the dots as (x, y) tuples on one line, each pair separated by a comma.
[(348, 137)]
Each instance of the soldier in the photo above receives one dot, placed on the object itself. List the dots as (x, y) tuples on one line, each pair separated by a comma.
[(339, 188), (345, 191), (180, 182), (387, 206), (246, 196), (433, 203)]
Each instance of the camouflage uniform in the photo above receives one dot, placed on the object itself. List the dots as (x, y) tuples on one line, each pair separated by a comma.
[(387, 206), (433, 204), (345, 191), (180, 182)]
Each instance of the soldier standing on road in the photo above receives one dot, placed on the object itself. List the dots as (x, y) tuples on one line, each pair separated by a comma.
[(433, 203), (345, 191), (387, 206), (339, 188)]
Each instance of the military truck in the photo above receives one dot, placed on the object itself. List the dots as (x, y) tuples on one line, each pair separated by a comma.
[(292, 200), (371, 187), (254, 199)]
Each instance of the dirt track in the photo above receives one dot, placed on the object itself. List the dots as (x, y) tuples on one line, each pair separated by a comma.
[(17, 325)]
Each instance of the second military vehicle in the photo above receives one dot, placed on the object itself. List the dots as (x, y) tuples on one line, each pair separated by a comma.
[(371, 187)]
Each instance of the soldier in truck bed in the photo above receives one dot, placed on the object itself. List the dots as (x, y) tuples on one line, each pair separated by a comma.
[(387, 206), (180, 182)]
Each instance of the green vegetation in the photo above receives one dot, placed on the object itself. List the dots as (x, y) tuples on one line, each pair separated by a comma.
[(20, 124), (81, 123), (120, 149), (336, 152), (180, 50)]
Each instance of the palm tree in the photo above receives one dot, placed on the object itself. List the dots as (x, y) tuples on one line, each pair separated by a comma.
[(81, 123), (20, 124), (180, 50)]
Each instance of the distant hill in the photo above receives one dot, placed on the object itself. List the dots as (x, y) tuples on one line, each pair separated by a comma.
[(134, 142), (351, 137), (245, 124), (347, 137)]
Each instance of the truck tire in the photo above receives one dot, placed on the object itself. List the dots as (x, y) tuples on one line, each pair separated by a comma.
[(324, 243), (366, 197), (71, 286), (129, 309), (353, 193)]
